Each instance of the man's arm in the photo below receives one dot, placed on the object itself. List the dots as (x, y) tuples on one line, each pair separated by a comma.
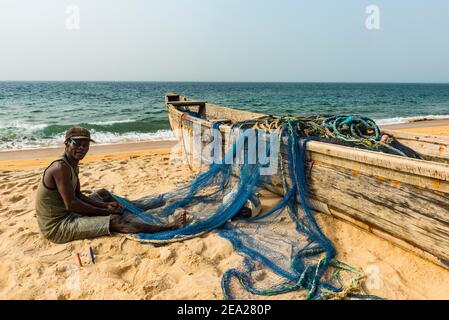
[(99, 204), (61, 175), (88, 200), (91, 201)]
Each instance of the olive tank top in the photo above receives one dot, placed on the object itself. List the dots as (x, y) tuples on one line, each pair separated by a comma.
[(50, 208)]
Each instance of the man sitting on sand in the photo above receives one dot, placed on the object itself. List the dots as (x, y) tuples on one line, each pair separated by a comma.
[(65, 214)]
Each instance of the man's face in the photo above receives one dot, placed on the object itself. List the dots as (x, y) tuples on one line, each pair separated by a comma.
[(77, 148)]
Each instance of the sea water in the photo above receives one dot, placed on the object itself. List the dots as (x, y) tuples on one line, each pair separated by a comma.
[(36, 114)]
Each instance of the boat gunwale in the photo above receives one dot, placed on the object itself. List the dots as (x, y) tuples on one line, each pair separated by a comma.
[(418, 167)]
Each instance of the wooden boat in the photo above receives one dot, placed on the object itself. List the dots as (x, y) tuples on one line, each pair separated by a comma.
[(403, 200)]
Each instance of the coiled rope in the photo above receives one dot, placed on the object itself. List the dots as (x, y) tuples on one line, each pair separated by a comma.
[(352, 129)]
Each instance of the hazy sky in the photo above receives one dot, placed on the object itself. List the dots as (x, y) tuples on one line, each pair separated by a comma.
[(224, 40)]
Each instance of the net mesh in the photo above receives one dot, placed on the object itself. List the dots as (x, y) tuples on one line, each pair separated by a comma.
[(286, 253)]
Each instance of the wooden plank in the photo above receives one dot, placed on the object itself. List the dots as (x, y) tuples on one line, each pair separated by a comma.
[(433, 148), (187, 103), (400, 243), (171, 97), (415, 215), (397, 163)]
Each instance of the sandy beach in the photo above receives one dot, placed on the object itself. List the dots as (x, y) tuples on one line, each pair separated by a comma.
[(34, 268), (438, 127)]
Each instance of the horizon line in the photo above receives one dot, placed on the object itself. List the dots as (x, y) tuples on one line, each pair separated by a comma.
[(227, 81)]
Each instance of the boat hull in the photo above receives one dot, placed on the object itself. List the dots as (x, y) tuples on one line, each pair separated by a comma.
[(403, 200)]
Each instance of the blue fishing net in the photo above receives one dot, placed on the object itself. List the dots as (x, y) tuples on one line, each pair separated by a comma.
[(285, 250)]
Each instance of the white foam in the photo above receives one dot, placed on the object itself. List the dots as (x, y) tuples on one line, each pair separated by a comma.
[(110, 138), (23, 125), (101, 138), (409, 119), (104, 138), (30, 127)]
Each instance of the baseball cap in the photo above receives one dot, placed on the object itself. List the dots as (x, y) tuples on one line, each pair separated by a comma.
[(78, 133)]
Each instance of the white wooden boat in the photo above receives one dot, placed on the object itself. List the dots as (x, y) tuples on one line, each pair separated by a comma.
[(403, 200)]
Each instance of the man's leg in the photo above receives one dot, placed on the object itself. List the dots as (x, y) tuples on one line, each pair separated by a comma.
[(145, 204), (128, 223), (77, 227)]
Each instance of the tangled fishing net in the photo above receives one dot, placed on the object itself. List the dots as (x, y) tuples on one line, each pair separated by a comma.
[(285, 250)]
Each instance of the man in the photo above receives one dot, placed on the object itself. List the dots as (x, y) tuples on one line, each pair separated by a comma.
[(65, 214)]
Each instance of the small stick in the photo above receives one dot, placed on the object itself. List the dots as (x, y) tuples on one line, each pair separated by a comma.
[(79, 259), (92, 256)]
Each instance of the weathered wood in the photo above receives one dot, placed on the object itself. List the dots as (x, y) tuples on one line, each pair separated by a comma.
[(381, 234), (401, 199), (170, 97), (433, 148), (187, 103), (416, 215)]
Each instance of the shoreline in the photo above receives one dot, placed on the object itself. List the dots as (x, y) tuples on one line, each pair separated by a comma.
[(418, 123), (35, 158), (40, 158), (94, 149)]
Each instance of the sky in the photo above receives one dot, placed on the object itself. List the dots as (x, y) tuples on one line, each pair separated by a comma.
[(225, 40)]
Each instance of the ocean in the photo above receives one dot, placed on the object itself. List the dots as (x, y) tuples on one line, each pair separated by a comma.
[(36, 114)]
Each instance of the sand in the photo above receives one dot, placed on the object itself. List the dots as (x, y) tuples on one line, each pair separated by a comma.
[(34, 268), (436, 130), (439, 127)]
